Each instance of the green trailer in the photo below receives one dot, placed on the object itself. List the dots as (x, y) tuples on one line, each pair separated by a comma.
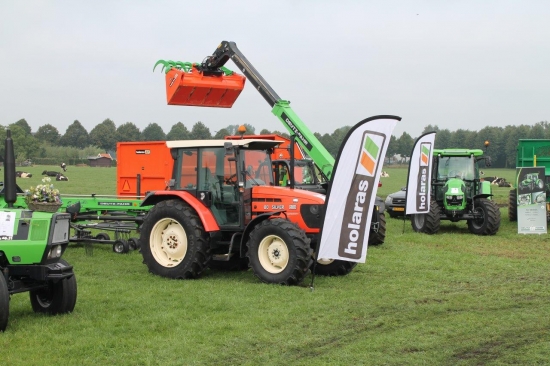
[(531, 153)]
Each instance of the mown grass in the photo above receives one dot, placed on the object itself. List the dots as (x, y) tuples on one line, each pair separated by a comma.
[(451, 298)]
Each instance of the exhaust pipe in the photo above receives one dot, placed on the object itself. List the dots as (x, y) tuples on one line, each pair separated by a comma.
[(10, 193)]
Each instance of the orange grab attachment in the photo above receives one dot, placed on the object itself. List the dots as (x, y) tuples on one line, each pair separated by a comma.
[(190, 87)]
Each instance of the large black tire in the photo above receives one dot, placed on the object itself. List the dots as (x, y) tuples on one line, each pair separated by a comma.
[(4, 303), (172, 241), (513, 205), (377, 238), (333, 267), (279, 252), (489, 223), (56, 297), (427, 223)]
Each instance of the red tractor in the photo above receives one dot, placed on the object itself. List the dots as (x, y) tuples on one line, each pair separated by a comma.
[(223, 207)]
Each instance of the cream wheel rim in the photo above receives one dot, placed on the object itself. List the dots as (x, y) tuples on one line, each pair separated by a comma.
[(273, 254), (168, 242)]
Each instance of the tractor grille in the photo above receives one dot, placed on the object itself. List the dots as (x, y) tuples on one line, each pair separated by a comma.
[(39, 230), (454, 200)]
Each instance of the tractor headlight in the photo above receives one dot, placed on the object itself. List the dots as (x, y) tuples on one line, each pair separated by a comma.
[(459, 197), (449, 198), (314, 209), (55, 252)]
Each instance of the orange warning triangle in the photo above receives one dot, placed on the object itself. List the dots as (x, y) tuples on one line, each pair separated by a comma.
[(126, 186)]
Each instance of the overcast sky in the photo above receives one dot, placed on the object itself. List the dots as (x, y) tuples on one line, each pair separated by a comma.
[(464, 64)]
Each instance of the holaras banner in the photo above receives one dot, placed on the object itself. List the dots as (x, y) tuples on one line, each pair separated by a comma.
[(353, 187), (420, 175)]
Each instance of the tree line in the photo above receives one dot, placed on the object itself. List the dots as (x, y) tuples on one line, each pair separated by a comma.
[(78, 143)]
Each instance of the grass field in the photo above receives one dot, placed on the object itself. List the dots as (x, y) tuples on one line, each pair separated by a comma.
[(450, 299)]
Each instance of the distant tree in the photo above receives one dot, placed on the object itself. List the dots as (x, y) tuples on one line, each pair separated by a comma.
[(221, 134), (330, 144), (200, 132), (250, 130), (178, 132), (430, 128), (104, 135), (128, 132), (48, 133), (24, 125), (75, 135), (153, 132), (234, 129), (392, 147), (265, 132), (405, 144), (25, 145), (443, 139), (338, 136)]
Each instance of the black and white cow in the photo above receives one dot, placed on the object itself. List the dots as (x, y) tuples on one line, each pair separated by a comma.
[(60, 176), (21, 174), (50, 173)]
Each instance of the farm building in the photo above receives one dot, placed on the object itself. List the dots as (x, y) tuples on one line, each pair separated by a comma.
[(101, 160)]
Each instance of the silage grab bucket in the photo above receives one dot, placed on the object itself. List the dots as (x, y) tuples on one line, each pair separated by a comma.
[(187, 85)]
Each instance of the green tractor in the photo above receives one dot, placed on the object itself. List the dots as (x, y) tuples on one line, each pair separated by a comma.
[(31, 246), (457, 193)]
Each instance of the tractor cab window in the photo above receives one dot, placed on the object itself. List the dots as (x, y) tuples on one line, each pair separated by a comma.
[(188, 173), (258, 168), (461, 167), (217, 177), (304, 172)]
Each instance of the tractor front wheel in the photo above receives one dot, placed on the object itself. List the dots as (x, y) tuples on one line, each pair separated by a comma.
[(173, 243), (57, 297), (279, 252), (4, 303), (429, 222), (513, 205), (488, 222)]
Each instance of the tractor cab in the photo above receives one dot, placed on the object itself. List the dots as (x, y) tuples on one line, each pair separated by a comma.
[(456, 178), (218, 172), (306, 175)]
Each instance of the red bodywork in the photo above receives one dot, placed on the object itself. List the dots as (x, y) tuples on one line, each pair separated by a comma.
[(150, 159), (194, 89)]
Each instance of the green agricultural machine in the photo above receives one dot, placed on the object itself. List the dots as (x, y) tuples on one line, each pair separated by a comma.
[(531, 153), (31, 246), (457, 193)]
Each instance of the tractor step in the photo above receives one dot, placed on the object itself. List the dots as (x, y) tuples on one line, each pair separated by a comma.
[(193, 88), (222, 257)]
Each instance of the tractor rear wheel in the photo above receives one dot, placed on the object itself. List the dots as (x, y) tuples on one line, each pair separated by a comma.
[(429, 222), (56, 297), (4, 303), (173, 243), (489, 221), (377, 238), (279, 252), (513, 205), (333, 267)]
